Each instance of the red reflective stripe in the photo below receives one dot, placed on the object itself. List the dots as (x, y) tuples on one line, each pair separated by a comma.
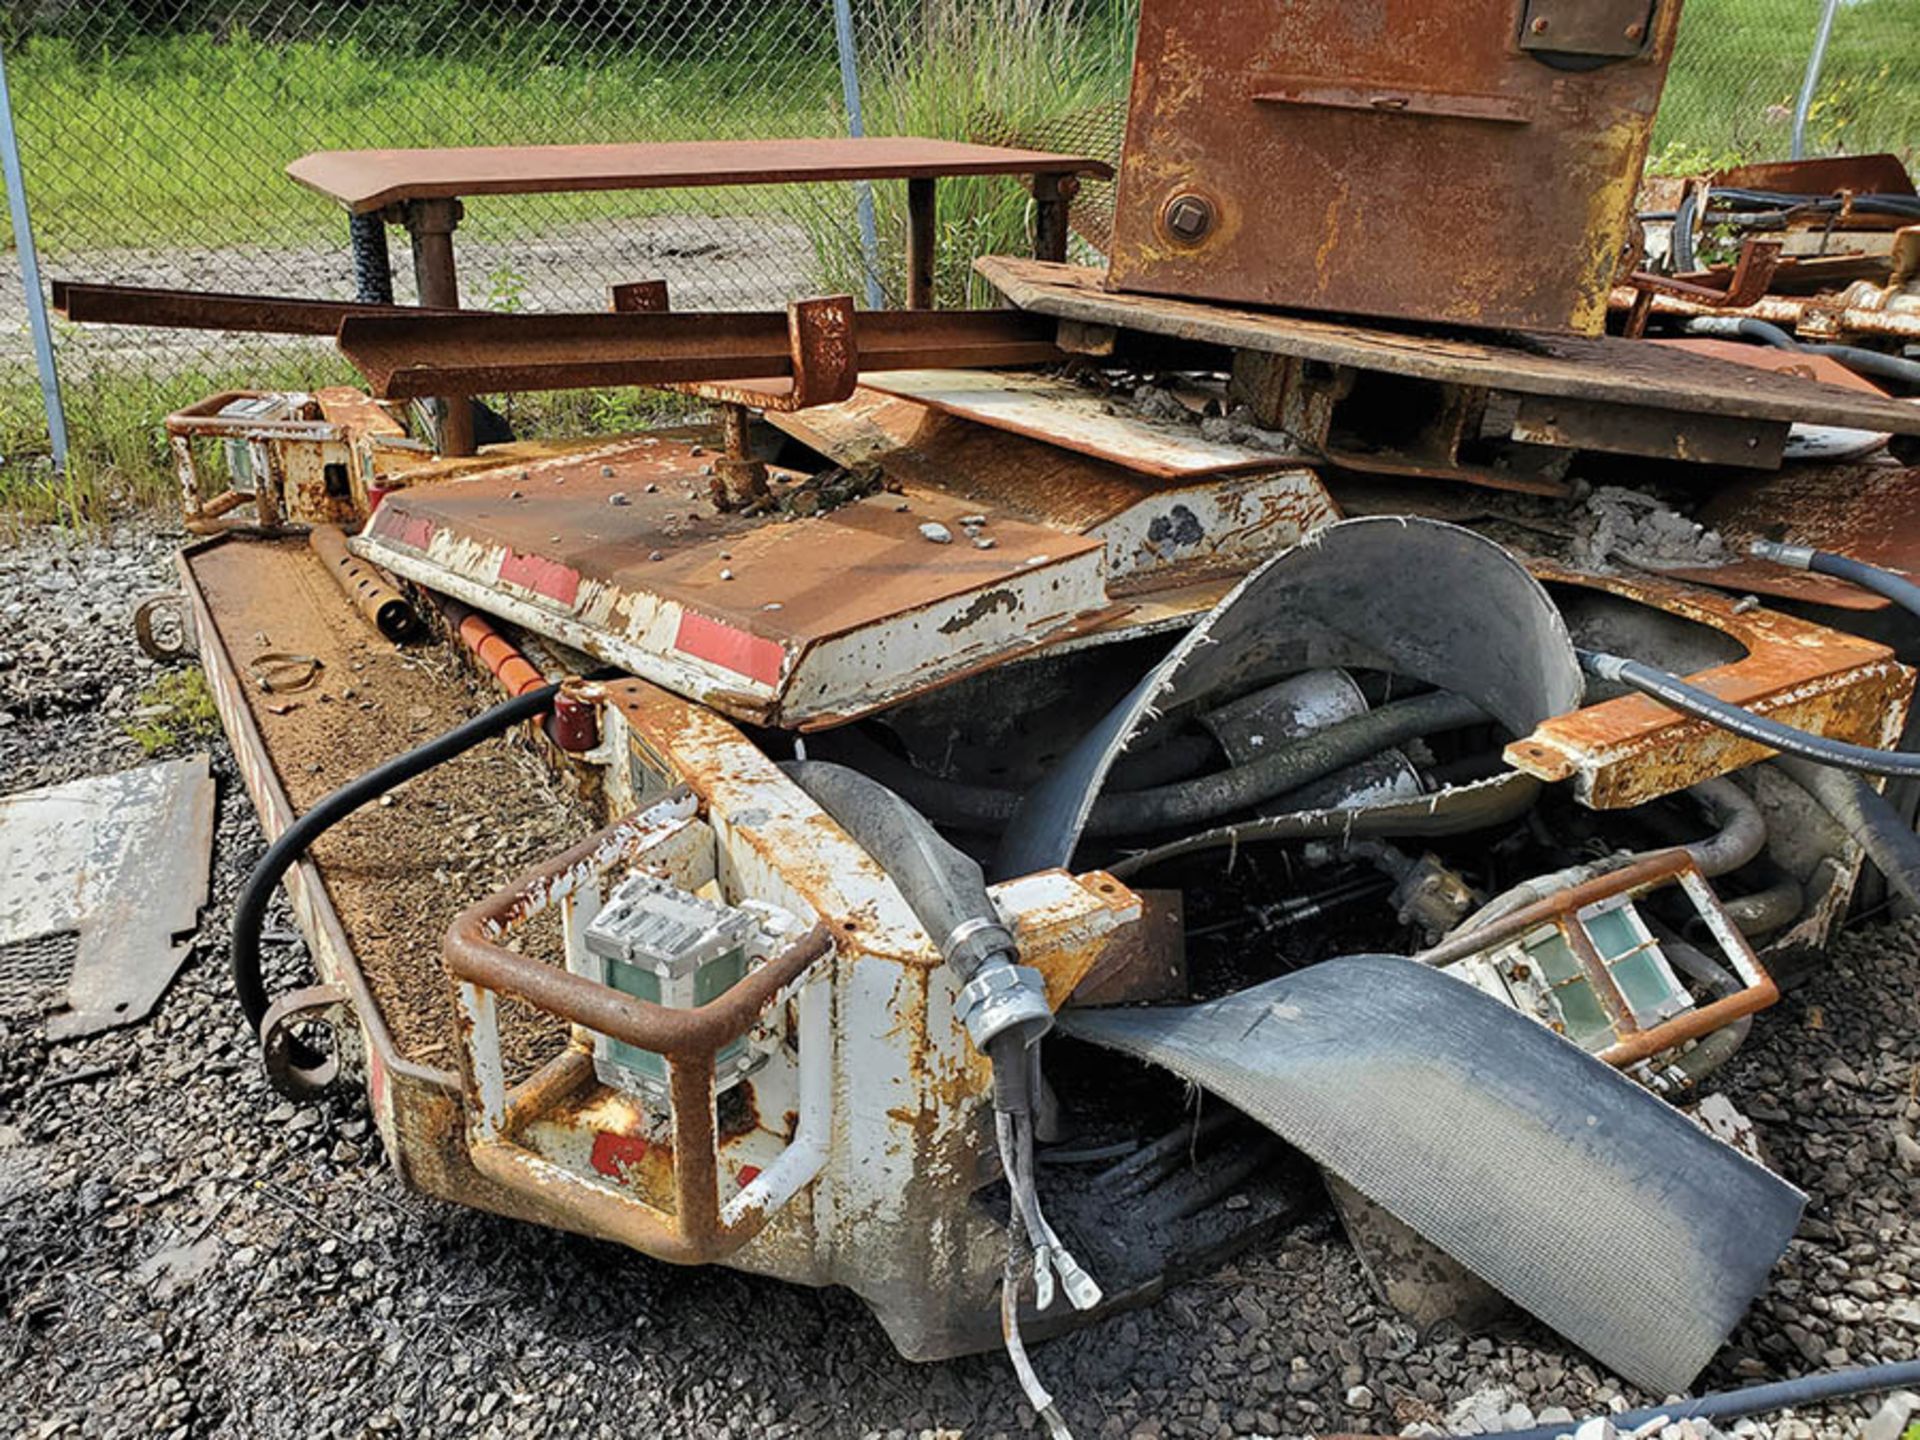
[(730, 648), (542, 576)]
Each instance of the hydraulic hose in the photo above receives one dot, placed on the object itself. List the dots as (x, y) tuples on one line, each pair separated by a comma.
[(1742, 834), (1206, 797), (1765, 911), (1884, 583), (1003, 1006), (1856, 358), (1755, 1400), (1867, 816), (1450, 813), (250, 909), (1688, 699)]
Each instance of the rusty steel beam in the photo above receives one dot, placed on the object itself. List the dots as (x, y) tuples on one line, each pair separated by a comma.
[(85, 303), (406, 354)]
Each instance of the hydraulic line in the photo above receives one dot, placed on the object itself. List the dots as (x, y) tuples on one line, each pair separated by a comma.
[(1884, 583), (250, 909), (1206, 797), (1740, 838), (1867, 816), (1688, 699), (1755, 1400), (1765, 911), (1855, 357), (1455, 812), (1003, 1006)]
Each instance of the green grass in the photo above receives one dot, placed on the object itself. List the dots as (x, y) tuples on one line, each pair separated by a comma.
[(179, 141), (183, 138), (1738, 69), (177, 709)]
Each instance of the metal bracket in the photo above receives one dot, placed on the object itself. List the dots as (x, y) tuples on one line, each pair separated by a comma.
[(1752, 276), (280, 1048)]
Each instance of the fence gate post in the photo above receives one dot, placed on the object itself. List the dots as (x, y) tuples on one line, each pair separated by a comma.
[(36, 297), (856, 125), (1811, 82)]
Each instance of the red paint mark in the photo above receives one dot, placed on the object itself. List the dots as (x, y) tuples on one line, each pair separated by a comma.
[(730, 647), (748, 1174), (413, 531), (546, 577), (612, 1154)]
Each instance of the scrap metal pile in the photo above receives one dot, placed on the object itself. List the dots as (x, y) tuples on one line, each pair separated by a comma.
[(1307, 657)]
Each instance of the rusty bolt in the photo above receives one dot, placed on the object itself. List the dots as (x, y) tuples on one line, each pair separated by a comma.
[(1188, 217), (1540, 25), (1636, 30)]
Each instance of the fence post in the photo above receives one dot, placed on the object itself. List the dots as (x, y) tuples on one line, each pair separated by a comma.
[(1811, 82), (36, 297), (856, 125)]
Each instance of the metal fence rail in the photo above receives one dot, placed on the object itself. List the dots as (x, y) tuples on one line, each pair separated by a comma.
[(153, 138)]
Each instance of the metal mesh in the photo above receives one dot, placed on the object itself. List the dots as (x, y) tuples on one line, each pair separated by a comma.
[(154, 132), (33, 972)]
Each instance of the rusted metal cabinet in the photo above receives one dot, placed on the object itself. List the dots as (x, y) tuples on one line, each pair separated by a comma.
[(1462, 161)]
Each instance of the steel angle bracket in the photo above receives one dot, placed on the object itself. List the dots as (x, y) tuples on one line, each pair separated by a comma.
[(1578, 1195), (1416, 597)]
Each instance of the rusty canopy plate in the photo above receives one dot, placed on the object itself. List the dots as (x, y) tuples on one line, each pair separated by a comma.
[(365, 180), (1072, 416), (1601, 369), (1400, 158), (768, 618)]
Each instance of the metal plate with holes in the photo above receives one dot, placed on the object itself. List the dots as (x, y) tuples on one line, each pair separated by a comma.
[(121, 860), (1588, 29)]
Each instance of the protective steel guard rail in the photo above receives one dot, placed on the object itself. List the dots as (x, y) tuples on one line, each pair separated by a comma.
[(700, 1229)]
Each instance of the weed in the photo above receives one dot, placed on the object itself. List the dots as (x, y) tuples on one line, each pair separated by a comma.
[(177, 709)]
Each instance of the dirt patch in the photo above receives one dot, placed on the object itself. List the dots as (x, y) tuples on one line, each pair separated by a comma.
[(400, 869)]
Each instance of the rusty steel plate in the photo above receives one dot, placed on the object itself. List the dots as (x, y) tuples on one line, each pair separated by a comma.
[(771, 619), (1870, 512), (1630, 749), (1399, 158), (1160, 535), (1063, 413), (1601, 369), (365, 180), (1821, 175)]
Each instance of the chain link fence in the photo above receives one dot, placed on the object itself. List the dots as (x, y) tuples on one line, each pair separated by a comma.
[(154, 134)]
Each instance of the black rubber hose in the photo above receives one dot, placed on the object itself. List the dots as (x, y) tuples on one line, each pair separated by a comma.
[(1856, 358), (1205, 798), (1867, 816), (250, 909), (1884, 583), (1454, 812), (1672, 691), (1755, 1400)]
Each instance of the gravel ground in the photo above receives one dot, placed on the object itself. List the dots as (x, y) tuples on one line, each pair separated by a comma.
[(182, 1253)]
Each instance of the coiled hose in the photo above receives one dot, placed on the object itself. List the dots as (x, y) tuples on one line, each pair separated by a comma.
[(1688, 699), (250, 908)]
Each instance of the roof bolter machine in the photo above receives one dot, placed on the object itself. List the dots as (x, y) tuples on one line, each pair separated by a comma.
[(879, 849)]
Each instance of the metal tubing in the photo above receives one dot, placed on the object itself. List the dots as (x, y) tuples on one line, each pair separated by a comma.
[(430, 224), (385, 606), (1817, 60), (921, 231), (36, 297), (856, 127)]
